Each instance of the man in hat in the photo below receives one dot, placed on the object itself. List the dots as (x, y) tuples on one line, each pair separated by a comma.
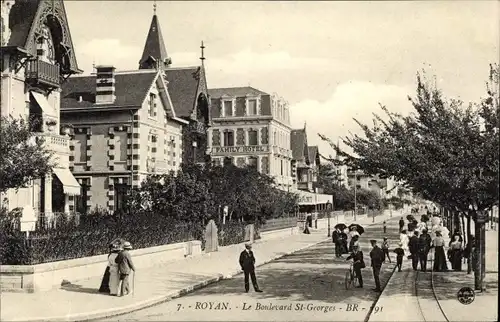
[(377, 258), (247, 263), (359, 263), (125, 264)]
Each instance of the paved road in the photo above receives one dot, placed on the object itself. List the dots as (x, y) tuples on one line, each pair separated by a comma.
[(305, 286)]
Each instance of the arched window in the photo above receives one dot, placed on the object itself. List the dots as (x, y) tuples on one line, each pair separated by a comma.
[(45, 46)]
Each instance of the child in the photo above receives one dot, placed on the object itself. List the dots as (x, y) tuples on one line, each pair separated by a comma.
[(400, 253), (385, 249), (385, 228)]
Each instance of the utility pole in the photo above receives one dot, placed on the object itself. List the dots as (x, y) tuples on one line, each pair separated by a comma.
[(355, 192)]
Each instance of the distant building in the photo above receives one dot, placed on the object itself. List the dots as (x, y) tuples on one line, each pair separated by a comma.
[(384, 188), (305, 168), (37, 57), (251, 127)]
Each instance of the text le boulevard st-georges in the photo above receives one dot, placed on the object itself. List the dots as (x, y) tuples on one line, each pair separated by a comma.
[(267, 306)]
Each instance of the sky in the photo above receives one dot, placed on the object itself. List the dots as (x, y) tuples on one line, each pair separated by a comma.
[(332, 61)]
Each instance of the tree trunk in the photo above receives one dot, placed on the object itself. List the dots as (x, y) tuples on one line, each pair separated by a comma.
[(480, 263), (464, 235), (469, 232)]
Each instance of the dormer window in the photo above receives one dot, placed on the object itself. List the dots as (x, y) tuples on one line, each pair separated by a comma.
[(252, 106), (152, 105), (227, 108)]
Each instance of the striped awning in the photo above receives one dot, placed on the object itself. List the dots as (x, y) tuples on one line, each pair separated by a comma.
[(70, 185)]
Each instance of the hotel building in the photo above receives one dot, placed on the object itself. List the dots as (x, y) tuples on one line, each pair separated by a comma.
[(251, 127)]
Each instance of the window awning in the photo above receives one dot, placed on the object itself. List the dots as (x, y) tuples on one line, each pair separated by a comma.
[(44, 104), (70, 185)]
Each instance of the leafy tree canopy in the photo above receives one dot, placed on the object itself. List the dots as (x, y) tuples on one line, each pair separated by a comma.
[(22, 155), (446, 151)]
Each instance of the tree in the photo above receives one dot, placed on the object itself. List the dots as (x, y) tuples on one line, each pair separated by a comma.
[(445, 151), (23, 156)]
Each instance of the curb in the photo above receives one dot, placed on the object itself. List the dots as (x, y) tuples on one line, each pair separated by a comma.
[(374, 304)]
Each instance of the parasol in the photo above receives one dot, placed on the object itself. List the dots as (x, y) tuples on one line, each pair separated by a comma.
[(359, 228), (340, 226)]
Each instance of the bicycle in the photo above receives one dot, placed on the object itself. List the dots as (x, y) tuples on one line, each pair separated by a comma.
[(350, 277)]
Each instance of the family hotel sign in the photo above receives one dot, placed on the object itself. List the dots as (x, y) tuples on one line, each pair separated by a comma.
[(240, 149)]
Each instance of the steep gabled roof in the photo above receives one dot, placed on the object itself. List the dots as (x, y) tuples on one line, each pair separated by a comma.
[(313, 152), (234, 91), (183, 84), (25, 18), (298, 142), (131, 89), (154, 49), (21, 18)]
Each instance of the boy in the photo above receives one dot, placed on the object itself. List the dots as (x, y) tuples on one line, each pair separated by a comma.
[(385, 249), (385, 228), (400, 253)]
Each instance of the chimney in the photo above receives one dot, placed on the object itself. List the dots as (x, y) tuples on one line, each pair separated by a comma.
[(105, 81)]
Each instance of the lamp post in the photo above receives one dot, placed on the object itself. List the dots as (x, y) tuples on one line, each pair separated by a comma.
[(328, 205), (355, 192)]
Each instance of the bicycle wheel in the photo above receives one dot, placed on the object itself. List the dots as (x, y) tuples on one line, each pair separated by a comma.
[(347, 280)]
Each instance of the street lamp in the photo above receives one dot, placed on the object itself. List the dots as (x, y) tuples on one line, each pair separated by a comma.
[(328, 205)]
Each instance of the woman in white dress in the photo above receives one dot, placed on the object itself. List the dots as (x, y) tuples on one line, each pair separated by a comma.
[(404, 239), (114, 272)]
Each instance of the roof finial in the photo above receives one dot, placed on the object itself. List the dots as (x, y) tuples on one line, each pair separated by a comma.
[(154, 7), (202, 52), (305, 123)]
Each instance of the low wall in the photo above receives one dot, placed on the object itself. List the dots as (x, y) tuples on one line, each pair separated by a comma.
[(266, 235), (42, 277)]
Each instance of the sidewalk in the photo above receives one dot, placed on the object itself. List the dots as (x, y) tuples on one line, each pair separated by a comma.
[(411, 296), (81, 301), (484, 307)]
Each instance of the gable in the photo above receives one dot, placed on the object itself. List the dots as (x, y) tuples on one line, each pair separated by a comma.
[(183, 87), (26, 20)]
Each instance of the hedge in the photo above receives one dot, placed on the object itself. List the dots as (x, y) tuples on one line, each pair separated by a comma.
[(91, 238)]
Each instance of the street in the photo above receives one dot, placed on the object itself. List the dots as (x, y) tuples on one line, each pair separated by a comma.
[(305, 286)]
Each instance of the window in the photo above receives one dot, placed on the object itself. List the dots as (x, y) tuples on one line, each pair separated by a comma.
[(121, 146), (80, 147), (228, 108), (252, 137), (81, 200), (121, 191), (252, 107), (152, 105), (275, 138), (228, 138), (281, 161), (252, 162)]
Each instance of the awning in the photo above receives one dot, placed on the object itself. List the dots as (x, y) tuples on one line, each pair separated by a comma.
[(44, 104), (70, 185), (309, 198)]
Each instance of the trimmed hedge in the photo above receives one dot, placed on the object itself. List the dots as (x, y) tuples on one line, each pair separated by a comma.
[(233, 232), (92, 238)]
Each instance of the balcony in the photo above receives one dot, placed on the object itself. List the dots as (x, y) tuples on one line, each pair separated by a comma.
[(54, 142), (305, 185), (40, 72), (156, 166)]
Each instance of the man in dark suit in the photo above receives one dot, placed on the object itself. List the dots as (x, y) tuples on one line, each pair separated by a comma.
[(424, 245), (413, 246), (377, 258), (125, 265), (359, 263), (247, 263), (336, 240), (401, 224)]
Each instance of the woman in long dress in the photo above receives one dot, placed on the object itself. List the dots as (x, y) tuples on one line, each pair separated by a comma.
[(456, 254), (439, 255), (404, 240), (114, 272), (104, 288)]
